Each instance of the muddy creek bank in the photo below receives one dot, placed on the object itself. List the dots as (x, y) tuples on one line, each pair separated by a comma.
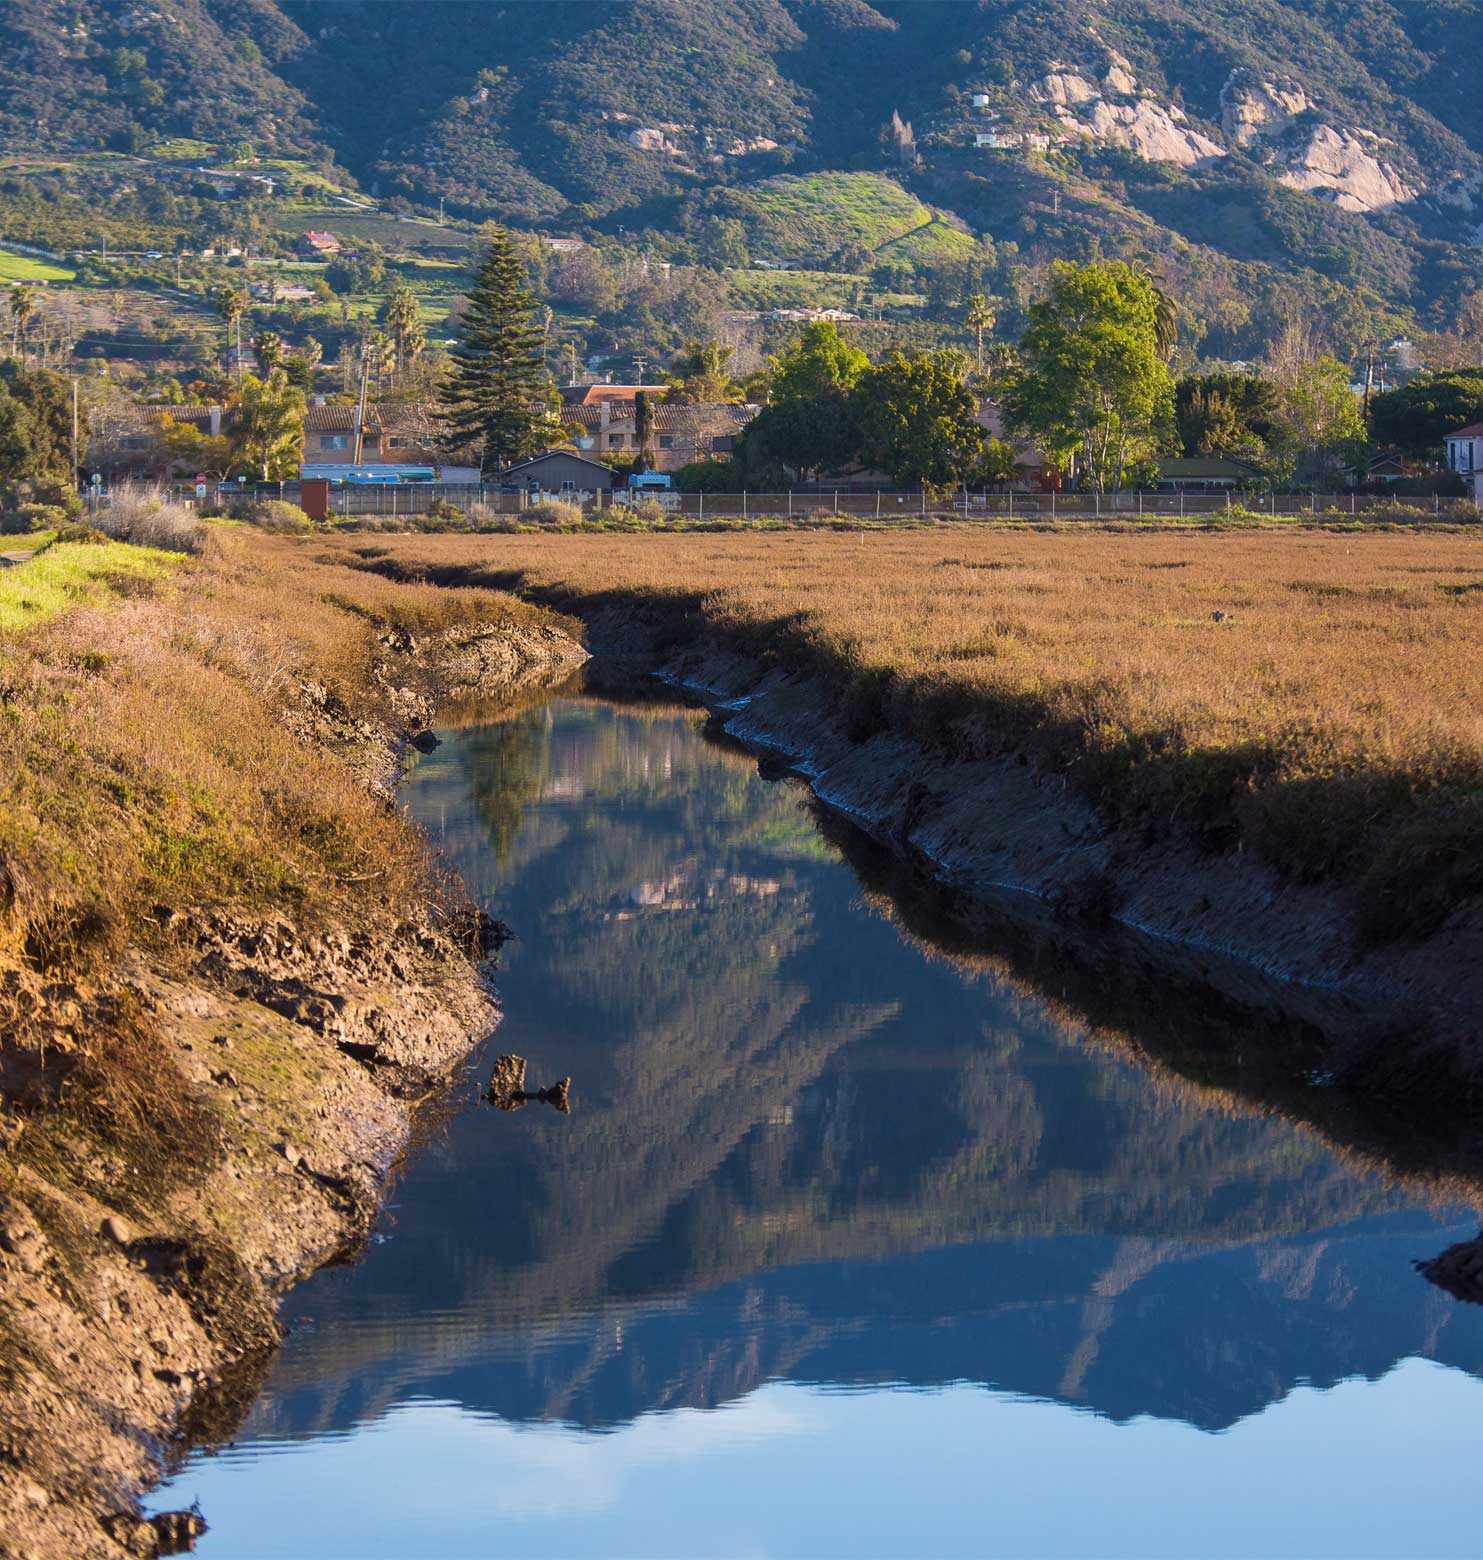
[(138, 1295)]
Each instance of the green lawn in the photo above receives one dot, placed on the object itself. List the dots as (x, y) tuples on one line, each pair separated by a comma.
[(182, 148), (815, 214), (70, 573), (27, 268)]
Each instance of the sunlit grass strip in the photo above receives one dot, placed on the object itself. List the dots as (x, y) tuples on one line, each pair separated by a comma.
[(71, 574)]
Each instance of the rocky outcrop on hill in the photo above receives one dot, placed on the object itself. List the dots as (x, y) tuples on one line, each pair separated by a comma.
[(1339, 166), (1116, 113), (1251, 108)]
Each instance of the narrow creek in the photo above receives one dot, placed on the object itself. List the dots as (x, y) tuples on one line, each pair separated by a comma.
[(849, 1246)]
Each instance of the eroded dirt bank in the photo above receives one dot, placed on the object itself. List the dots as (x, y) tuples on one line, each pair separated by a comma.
[(237, 1127), (1011, 824)]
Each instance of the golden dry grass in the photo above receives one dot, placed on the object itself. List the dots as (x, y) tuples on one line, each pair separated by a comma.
[(1334, 720), (144, 761)]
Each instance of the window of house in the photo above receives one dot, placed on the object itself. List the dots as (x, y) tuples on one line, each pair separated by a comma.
[(334, 441), (585, 441), (666, 441)]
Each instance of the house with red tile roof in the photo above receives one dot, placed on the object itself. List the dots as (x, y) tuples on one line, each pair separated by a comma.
[(1465, 457)]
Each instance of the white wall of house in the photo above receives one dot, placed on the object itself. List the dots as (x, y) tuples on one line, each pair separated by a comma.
[(1465, 453), (1465, 457)]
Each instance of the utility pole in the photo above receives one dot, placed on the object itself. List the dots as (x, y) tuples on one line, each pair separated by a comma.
[(74, 433), (360, 410), (641, 363)]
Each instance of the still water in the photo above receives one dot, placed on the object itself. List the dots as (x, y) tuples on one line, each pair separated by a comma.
[(848, 1248)]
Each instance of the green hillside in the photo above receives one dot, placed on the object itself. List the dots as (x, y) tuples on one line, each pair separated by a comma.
[(1272, 158)]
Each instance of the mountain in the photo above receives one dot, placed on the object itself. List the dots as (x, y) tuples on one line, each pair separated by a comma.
[(1271, 156)]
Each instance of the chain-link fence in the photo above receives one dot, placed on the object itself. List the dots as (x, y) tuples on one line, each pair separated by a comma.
[(420, 498)]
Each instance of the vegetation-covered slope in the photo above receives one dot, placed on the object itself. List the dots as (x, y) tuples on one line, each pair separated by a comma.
[(1335, 142)]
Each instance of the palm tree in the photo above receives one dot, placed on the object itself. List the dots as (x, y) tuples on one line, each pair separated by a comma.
[(643, 428), (703, 372), (1165, 311), (231, 305), (267, 348), (979, 317), (380, 356), (270, 426), (402, 315), (22, 307)]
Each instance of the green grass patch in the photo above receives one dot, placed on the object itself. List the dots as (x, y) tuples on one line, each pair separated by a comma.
[(935, 241), (182, 148), (816, 214), (28, 268), (71, 573)]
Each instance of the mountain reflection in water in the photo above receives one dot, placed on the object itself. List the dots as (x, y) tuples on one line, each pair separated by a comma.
[(804, 1149)]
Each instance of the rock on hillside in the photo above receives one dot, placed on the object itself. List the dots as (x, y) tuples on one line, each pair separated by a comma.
[(1337, 164)]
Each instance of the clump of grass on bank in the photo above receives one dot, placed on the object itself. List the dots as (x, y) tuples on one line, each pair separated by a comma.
[(1330, 719)]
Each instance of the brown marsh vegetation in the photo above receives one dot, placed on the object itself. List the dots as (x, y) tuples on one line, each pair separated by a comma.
[(1315, 695)]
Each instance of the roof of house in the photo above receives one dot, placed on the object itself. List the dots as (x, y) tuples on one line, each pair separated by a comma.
[(1472, 431), (339, 419), (1205, 466), (537, 460), (690, 417), (181, 413), (590, 395)]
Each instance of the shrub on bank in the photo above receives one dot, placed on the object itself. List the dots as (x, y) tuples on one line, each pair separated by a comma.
[(273, 514), (145, 517), (553, 511)]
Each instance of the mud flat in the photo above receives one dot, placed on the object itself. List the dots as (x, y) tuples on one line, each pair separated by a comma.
[(260, 1082)]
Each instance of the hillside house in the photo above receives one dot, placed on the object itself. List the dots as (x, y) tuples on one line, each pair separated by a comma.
[(1465, 457), (319, 245)]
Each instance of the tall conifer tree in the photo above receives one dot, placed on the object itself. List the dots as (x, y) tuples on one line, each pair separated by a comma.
[(499, 393)]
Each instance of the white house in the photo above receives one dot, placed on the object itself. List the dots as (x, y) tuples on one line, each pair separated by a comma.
[(1465, 457), (980, 99)]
